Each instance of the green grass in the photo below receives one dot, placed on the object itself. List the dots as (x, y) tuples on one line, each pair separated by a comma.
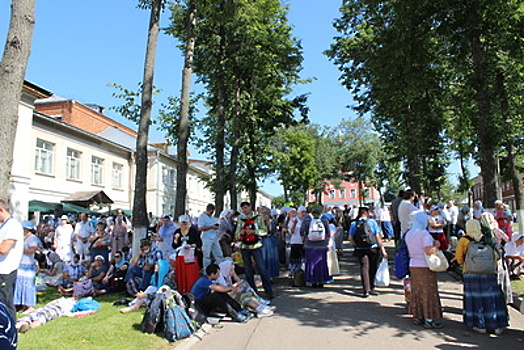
[(518, 286), (105, 329)]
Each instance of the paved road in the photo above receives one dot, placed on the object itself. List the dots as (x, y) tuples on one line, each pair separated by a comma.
[(337, 317)]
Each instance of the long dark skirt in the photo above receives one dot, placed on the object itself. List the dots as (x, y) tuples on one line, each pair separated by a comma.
[(316, 266), (270, 255), (425, 300), (484, 305)]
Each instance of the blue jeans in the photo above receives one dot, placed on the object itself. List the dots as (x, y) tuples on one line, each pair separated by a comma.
[(211, 246), (256, 254), (135, 271)]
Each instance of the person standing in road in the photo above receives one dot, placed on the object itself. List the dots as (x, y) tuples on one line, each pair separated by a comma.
[(208, 226), (250, 228), (365, 236), (11, 251)]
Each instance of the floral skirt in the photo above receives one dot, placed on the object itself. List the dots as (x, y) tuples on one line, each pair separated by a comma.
[(424, 299)]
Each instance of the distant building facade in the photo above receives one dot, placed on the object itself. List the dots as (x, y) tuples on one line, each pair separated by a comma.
[(508, 192), (347, 192)]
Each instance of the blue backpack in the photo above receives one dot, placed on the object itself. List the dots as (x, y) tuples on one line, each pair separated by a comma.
[(402, 259), (177, 324)]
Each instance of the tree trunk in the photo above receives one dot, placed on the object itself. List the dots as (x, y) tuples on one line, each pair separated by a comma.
[(220, 184), (235, 150), (183, 125), (139, 203), (12, 72), (486, 125)]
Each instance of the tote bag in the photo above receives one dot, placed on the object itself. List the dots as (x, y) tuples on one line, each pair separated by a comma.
[(437, 262)]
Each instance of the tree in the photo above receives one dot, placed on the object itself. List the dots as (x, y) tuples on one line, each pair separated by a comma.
[(12, 72), (360, 152), (140, 221), (183, 125)]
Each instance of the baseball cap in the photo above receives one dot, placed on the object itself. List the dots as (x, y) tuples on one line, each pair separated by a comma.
[(27, 224)]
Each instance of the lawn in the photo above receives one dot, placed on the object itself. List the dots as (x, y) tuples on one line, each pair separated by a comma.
[(105, 329), (518, 286)]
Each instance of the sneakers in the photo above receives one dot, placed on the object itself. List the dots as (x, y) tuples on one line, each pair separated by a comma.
[(265, 312), (432, 324), (479, 330)]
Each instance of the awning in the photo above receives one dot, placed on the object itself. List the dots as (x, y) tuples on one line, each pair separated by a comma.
[(85, 199), (42, 207)]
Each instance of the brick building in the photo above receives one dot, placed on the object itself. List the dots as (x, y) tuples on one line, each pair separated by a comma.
[(345, 193)]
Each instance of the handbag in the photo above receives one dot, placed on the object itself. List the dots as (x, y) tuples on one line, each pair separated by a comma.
[(82, 288), (437, 262), (382, 275)]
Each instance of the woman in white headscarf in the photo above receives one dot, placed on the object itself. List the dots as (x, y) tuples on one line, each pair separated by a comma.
[(425, 300), (225, 232), (478, 210), (241, 292), (484, 306)]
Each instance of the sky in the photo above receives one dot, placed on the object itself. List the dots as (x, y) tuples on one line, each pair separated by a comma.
[(79, 47)]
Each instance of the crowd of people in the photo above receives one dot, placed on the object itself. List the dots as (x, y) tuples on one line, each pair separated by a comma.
[(223, 259)]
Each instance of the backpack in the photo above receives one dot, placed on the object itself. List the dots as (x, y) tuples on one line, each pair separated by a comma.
[(363, 237), (402, 259), (252, 238), (480, 258), (177, 324), (153, 321), (194, 310), (298, 279), (317, 231)]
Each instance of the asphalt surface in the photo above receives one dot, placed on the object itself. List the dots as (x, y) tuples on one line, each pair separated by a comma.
[(337, 317)]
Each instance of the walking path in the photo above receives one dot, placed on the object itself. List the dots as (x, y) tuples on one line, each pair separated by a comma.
[(337, 317)]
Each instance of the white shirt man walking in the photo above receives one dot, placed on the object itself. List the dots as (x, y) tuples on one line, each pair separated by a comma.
[(11, 250)]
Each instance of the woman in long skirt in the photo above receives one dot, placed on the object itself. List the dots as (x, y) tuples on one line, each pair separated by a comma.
[(315, 251), (270, 246), (25, 288), (424, 302), (484, 306)]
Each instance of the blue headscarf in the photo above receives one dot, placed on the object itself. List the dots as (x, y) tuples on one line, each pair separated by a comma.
[(419, 220)]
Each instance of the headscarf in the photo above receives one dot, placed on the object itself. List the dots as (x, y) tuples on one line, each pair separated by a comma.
[(223, 214), (491, 229), (479, 210), (419, 220), (224, 278), (473, 229), (122, 262)]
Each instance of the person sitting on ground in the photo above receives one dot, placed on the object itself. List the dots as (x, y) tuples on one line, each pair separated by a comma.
[(72, 273), (116, 273), (97, 272), (54, 274), (142, 266), (50, 311), (214, 297), (515, 256), (242, 292)]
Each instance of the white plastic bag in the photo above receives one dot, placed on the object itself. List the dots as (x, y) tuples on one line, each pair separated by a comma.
[(382, 276)]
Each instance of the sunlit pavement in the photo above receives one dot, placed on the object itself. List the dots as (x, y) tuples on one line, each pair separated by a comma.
[(337, 317)]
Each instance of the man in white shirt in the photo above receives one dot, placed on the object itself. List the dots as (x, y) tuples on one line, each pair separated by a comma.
[(453, 211), (82, 231), (11, 250), (405, 208)]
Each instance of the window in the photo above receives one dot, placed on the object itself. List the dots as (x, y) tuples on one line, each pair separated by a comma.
[(97, 170), (169, 176), (44, 157), (342, 194), (353, 193), (118, 176), (331, 194), (73, 164)]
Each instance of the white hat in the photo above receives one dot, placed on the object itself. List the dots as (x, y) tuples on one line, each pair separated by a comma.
[(517, 236), (64, 217), (301, 208)]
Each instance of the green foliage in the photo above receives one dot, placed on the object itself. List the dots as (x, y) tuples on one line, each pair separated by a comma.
[(278, 202), (169, 115), (130, 109)]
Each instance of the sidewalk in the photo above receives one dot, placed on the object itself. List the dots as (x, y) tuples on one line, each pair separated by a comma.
[(337, 317)]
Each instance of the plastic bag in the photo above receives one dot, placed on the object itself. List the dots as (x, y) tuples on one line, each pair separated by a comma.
[(437, 262), (382, 276)]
